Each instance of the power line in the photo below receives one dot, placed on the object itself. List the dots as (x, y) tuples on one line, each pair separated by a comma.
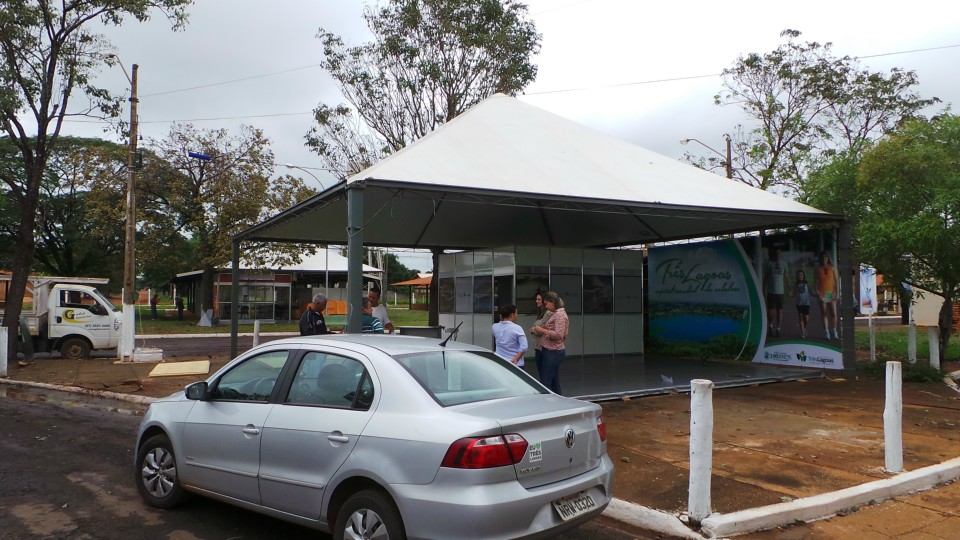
[(271, 74), (675, 79), (542, 92)]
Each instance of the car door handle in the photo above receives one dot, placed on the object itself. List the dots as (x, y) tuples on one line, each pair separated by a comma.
[(338, 438), (249, 430)]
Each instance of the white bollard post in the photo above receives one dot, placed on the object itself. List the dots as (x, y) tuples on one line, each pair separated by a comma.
[(256, 332), (933, 339), (3, 351), (893, 419), (701, 448)]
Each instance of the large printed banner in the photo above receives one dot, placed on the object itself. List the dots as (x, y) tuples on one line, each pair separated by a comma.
[(773, 300)]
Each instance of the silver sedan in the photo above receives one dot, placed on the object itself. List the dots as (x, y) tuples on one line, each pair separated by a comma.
[(380, 436)]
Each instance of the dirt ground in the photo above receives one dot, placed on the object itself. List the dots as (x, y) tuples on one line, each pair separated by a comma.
[(772, 442)]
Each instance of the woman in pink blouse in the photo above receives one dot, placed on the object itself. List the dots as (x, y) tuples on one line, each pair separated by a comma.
[(553, 334)]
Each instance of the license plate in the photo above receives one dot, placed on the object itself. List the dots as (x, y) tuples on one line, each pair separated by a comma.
[(575, 505)]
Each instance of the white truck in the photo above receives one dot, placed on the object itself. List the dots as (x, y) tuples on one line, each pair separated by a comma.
[(68, 315)]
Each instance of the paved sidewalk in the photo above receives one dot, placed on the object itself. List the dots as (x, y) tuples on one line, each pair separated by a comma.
[(784, 453)]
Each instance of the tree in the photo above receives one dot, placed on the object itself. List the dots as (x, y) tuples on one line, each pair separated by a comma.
[(809, 105), (904, 194), (48, 53), (192, 207), (429, 61), (73, 239)]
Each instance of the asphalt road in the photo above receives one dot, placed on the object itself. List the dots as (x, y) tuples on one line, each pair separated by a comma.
[(66, 472)]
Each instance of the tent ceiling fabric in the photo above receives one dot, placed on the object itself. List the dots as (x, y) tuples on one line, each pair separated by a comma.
[(507, 173)]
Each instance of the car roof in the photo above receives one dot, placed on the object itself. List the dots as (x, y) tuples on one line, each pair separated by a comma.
[(387, 343)]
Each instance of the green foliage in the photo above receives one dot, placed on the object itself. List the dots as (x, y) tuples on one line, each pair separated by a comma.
[(397, 271), (48, 54), (809, 105), (910, 372), (190, 209), (429, 61)]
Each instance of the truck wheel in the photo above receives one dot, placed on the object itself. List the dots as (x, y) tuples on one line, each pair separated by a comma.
[(75, 349)]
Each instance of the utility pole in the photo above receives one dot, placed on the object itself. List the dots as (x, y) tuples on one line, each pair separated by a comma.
[(129, 262), (729, 157)]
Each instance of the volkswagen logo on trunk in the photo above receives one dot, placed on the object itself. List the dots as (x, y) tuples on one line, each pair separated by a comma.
[(569, 437)]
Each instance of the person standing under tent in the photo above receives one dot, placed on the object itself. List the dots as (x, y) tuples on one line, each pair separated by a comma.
[(542, 316), (312, 322), (380, 310), (371, 324), (510, 340), (553, 335)]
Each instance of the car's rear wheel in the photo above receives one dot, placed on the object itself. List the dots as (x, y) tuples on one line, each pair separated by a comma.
[(369, 514), (156, 473), (75, 349)]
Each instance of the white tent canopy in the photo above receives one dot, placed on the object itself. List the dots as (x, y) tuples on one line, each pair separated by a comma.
[(506, 172)]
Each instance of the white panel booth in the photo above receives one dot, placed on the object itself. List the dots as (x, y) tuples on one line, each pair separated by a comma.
[(602, 290)]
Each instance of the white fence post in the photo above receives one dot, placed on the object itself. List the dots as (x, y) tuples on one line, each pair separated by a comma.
[(256, 332), (701, 448), (3, 351), (893, 419), (912, 341)]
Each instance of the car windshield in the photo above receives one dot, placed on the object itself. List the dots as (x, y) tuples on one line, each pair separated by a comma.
[(104, 301), (456, 377)]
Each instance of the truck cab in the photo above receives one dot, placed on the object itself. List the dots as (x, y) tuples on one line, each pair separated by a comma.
[(80, 319)]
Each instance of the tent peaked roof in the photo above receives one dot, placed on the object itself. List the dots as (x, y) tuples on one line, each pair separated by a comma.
[(506, 173), (505, 144)]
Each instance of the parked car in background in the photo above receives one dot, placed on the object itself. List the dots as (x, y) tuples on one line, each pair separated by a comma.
[(393, 436)]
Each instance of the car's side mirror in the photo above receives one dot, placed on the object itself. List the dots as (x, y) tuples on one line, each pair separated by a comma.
[(197, 390), (97, 309)]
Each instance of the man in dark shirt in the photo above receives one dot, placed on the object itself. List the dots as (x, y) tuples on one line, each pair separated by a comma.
[(312, 322)]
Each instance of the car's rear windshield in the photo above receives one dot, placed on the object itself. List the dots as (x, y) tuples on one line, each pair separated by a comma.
[(457, 377)]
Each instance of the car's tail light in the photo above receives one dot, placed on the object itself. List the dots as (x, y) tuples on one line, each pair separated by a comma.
[(485, 452), (601, 428)]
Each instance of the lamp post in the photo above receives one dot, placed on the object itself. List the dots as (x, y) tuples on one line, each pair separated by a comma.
[(304, 169), (125, 350), (728, 159)]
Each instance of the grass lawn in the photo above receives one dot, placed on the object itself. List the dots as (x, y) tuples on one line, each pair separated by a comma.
[(168, 323)]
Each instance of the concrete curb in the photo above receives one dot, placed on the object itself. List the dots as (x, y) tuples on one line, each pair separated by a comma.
[(649, 520), (807, 509), (142, 400), (829, 504)]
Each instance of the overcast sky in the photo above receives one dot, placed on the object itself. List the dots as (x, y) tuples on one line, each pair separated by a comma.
[(643, 71)]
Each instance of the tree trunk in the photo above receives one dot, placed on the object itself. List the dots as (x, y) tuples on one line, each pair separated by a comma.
[(22, 263), (905, 298), (946, 325)]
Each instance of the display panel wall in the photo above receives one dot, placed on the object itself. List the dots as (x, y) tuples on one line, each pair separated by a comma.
[(602, 292)]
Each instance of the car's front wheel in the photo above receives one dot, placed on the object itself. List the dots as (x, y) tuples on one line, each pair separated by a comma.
[(156, 473), (369, 514)]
